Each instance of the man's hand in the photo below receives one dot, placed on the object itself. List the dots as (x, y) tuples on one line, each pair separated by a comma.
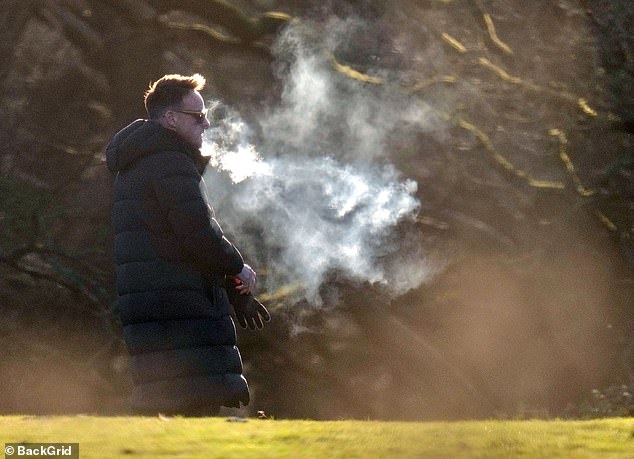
[(247, 277), (249, 311)]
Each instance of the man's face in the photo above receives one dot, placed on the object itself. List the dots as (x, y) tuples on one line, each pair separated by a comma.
[(191, 126)]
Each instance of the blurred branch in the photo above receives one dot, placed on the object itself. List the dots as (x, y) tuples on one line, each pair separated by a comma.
[(240, 24), (77, 30), (352, 73), (14, 18), (139, 11), (454, 43), (498, 158), (56, 280), (493, 34), (207, 30), (570, 168), (425, 84), (580, 102), (502, 161)]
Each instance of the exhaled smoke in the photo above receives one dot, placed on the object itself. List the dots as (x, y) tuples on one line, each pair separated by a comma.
[(318, 194)]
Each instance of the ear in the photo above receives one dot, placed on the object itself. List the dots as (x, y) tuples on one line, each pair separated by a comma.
[(170, 119)]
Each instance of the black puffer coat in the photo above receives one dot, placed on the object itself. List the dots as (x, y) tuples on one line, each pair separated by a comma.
[(171, 259)]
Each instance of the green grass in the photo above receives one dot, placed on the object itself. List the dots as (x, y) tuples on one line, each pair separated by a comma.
[(145, 437)]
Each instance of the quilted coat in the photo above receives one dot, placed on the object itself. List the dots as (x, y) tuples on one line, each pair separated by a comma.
[(171, 261)]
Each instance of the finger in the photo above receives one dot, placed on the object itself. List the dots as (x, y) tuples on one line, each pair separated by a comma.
[(241, 320), (244, 280), (264, 313), (249, 283), (258, 321), (235, 280), (251, 323)]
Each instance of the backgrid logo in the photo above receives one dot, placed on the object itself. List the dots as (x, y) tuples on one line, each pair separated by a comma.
[(47, 450)]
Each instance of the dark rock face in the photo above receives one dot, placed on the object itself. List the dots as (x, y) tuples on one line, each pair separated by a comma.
[(525, 178)]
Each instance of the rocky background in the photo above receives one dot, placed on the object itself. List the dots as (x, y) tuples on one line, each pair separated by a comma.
[(513, 118)]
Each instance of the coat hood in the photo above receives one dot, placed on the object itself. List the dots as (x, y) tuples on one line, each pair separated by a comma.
[(145, 137)]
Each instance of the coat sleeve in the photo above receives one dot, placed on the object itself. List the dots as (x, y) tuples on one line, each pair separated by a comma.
[(192, 220)]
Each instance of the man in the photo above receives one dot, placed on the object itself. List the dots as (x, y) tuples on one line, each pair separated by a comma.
[(174, 265)]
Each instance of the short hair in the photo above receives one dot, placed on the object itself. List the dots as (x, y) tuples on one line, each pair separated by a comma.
[(168, 91)]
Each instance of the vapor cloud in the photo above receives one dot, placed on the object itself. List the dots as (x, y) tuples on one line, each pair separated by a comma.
[(316, 192)]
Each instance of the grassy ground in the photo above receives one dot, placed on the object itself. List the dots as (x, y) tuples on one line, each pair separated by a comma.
[(137, 437)]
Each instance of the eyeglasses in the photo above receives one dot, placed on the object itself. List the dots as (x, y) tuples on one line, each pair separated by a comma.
[(200, 116)]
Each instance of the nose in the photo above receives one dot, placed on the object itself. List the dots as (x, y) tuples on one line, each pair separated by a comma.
[(206, 123)]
